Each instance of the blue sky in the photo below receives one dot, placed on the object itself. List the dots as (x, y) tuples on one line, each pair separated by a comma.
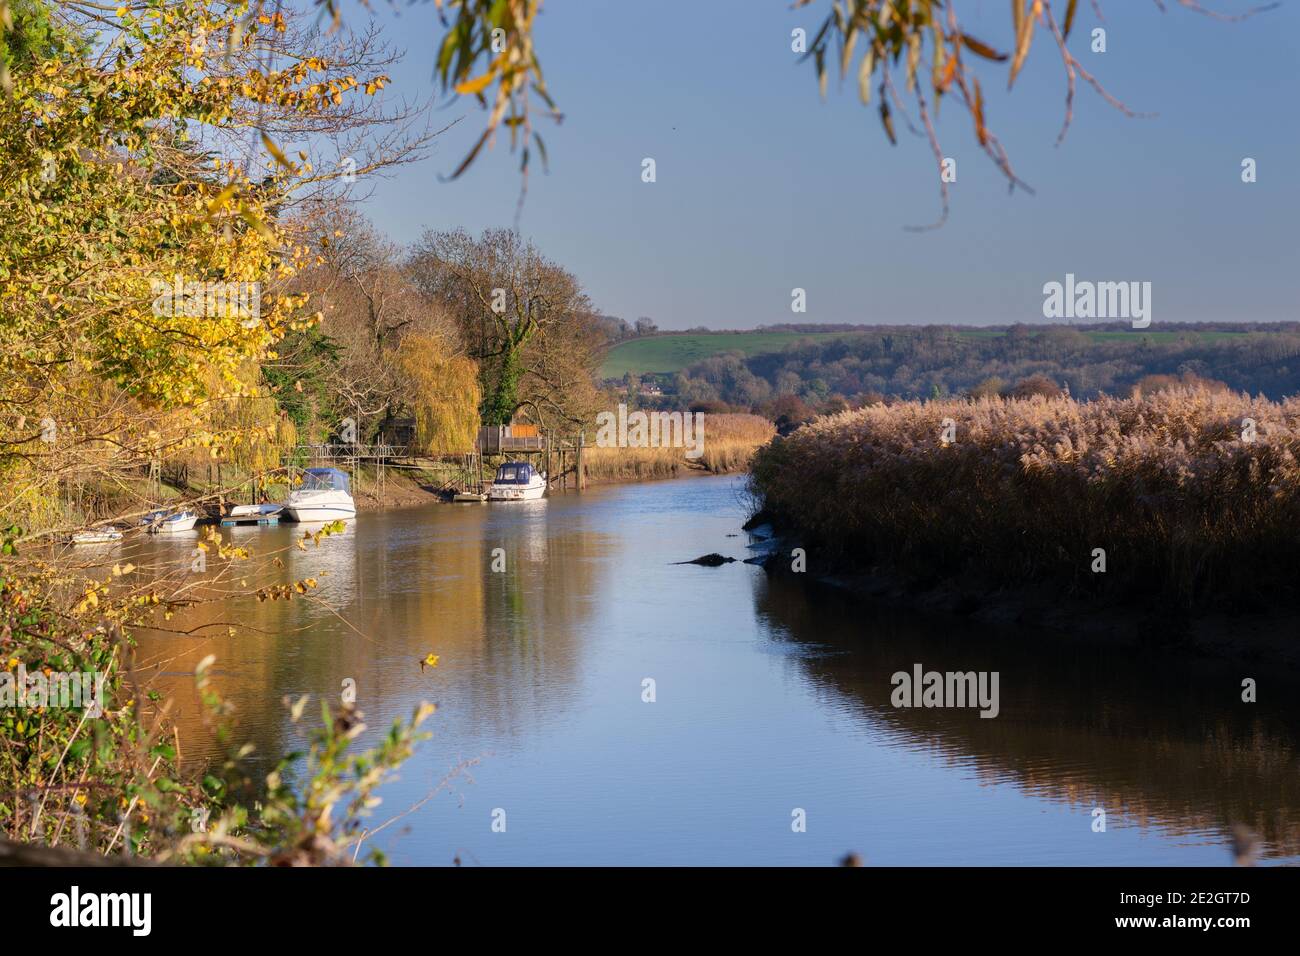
[(763, 187)]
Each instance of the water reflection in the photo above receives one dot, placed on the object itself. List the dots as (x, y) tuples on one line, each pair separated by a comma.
[(1155, 738), (391, 588)]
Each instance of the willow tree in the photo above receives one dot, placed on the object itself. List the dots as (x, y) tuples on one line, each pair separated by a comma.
[(442, 390)]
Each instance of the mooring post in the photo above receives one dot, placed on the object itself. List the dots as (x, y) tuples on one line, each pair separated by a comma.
[(582, 443)]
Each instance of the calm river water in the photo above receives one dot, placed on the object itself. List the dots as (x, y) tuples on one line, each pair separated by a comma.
[(770, 698)]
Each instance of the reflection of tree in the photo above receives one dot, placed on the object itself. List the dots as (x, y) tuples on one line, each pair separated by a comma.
[(1164, 741), (392, 588), (537, 609)]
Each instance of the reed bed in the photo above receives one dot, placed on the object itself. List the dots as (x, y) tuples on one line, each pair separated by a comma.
[(730, 440), (1188, 503)]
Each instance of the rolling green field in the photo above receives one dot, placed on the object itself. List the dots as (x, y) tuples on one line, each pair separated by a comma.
[(674, 352)]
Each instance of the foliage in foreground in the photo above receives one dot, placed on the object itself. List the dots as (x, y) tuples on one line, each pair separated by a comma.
[(1193, 495), (111, 783), (902, 55)]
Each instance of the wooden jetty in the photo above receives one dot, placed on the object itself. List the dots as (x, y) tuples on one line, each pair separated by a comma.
[(515, 441)]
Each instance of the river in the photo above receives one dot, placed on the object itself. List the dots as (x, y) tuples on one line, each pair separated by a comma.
[(771, 702)]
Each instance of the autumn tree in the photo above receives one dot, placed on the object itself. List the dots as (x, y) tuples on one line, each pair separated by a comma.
[(145, 270), (374, 316), (513, 306), (146, 264)]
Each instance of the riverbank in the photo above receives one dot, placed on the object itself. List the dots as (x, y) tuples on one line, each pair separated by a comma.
[(403, 488), (727, 444)]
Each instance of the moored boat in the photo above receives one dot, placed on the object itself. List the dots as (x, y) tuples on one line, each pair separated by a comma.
[(163, 521), (104, 535), (324, 495), (265, 510), (517, 481)]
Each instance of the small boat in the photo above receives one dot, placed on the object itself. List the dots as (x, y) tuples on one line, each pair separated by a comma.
[(167, 522), (517, 481), (263, 514), (97, 536), (266, 510), (324, 495), (469, 496)]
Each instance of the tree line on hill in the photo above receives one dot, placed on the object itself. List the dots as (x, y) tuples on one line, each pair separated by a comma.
[(886, 363)]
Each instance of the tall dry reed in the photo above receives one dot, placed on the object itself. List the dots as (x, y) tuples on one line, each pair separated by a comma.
[(729, 442), (1188, 503)]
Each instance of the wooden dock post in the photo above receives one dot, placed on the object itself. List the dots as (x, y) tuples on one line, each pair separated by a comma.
[(582, 478)]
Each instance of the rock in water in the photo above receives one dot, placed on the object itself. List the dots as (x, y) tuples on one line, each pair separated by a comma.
[(709, 560)]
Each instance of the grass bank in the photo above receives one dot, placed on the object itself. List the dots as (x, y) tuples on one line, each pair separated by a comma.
[(1185, 501)]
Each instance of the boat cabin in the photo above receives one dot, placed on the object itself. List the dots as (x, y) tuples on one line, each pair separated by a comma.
[(325, 479), (514, 473)]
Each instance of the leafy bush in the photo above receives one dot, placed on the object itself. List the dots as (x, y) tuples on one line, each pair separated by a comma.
[(111, 782)]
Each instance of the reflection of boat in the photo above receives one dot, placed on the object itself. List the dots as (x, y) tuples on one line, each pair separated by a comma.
[(97, 536), (334, 563), (165, 522), (517, 481), (324, 495)]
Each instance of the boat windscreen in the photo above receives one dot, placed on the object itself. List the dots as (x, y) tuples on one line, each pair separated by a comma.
[(324, 479), (515, 473)]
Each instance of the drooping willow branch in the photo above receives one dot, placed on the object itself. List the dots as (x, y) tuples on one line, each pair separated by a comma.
[(487, 53)]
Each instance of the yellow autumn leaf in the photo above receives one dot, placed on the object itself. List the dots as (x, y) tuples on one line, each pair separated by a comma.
[(276, 152), (478, 85)]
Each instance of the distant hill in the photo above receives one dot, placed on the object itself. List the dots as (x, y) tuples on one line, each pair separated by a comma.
[(826, 368), (674, 352)]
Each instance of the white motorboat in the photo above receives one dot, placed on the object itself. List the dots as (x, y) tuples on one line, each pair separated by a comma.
[(105, 535), (168, 522), (324, 495), (517, 481)]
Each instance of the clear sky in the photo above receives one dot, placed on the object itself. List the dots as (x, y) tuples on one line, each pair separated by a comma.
[(762, 187)]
